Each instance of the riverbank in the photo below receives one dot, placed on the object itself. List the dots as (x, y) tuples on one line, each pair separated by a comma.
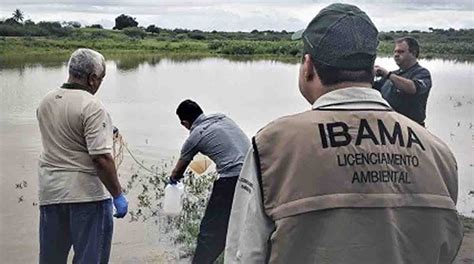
[(274, 45), (18, 52)]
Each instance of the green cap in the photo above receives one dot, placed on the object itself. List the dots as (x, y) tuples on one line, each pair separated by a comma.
[(341, 36)]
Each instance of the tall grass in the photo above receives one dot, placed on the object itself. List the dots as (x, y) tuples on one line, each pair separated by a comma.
[(454, 44), (148, 190)]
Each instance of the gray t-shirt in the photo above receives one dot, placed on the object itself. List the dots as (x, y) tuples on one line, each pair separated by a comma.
[(219, 138)]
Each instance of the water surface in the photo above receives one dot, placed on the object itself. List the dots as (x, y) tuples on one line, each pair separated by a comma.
[(141, 94)]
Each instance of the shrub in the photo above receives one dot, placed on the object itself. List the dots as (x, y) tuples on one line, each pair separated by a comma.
[(99, 34), (238, 48), (197, 35), (134, 32), (99, 26), (181, 36), (148, 189), (153, 29), (215, 45)]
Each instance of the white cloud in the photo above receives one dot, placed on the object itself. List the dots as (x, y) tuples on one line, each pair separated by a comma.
[(245, 15)]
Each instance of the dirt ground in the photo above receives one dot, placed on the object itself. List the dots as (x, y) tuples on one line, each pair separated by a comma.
[(466, 253), (136, 254)]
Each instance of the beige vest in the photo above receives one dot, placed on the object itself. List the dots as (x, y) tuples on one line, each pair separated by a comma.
[(319, 160)]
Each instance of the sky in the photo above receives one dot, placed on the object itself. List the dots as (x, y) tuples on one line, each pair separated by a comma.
[(244, 15)]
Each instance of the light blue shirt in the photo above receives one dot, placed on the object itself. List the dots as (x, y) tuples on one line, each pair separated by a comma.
[(219, 138)]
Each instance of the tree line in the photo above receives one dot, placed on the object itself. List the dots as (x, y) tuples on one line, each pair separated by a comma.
[(128, 33), (17, 26)]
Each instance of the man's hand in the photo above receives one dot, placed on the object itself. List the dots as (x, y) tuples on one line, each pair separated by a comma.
[(175, 180), (121, 206), (380, 71), (177, 172)]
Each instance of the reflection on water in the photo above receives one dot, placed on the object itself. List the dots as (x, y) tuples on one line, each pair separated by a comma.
[(21, 62), (125, 61), (130, 63), (142, 91)]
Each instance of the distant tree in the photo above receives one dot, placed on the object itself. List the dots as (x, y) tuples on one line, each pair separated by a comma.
[(134, 32), (150, 28), (29, 22), (71, 24), (153, 29), (180, 31), (11, 21), (49, 25), (385, 36), (99, 26), (124, 21), (18, 15), (54, 28), (197, 35)]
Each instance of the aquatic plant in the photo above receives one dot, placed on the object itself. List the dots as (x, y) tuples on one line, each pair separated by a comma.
[(147, 187)]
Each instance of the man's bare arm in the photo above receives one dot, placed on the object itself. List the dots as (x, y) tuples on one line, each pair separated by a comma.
[(401, 83), (404, 84), (179, 169), (105, 166)]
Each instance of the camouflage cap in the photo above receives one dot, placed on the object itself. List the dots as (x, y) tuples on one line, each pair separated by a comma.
[(341, 36)]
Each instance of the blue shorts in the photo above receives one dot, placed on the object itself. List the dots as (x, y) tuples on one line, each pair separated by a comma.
[(87, 227)]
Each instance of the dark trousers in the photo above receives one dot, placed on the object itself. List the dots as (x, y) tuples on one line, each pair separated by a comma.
[(213, 229), (87, 227)]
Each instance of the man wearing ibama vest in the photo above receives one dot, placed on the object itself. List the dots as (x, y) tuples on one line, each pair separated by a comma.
[(351, 180)]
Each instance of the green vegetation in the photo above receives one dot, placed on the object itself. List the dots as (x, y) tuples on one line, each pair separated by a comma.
[(438, 43), (148, 189), (124, 21), (468, 224), (18, 15), (28, 37)]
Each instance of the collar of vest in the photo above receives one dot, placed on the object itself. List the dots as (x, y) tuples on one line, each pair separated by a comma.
[(354, 96), (76, 86)]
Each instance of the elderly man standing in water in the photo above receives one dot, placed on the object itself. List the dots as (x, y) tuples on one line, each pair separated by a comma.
[(75, 165)]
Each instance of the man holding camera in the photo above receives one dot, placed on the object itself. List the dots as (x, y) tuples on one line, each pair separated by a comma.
[(407, 88)]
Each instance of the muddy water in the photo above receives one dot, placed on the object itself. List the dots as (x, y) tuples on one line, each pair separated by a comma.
[(142, 95)]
